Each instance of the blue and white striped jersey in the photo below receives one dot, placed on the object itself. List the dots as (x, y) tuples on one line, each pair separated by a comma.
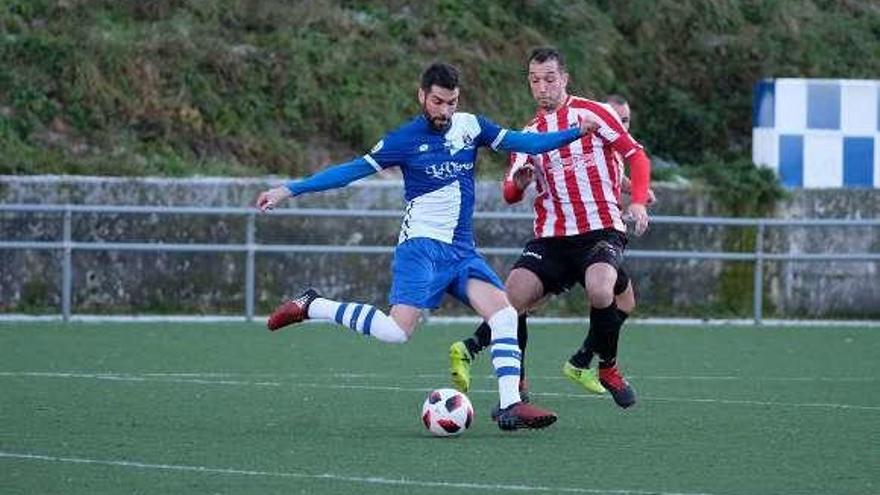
[(438, 174)]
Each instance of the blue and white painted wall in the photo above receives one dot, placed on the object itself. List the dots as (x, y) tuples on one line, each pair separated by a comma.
[(818, 132)]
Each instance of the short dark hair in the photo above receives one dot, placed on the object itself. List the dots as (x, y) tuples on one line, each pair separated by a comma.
[(440, 74), (545, 53), (617, 99)]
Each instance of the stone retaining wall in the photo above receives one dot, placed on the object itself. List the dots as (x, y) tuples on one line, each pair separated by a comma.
[(140, 282)]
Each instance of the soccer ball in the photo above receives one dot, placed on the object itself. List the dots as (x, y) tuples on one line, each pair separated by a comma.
[(447, 412)]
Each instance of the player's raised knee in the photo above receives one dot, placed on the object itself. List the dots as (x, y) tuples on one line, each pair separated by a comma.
[(601, 297)]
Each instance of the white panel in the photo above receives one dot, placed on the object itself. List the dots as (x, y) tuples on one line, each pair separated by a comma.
[(433, 215), (765, 147), (823, 160), (791, 106), (858, 107), (462, 131), (877, 160)]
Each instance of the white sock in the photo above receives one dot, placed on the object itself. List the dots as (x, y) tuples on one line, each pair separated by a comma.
[(361, 318), (506, 356)]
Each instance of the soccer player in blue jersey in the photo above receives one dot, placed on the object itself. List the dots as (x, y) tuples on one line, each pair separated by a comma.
[(436, 151)]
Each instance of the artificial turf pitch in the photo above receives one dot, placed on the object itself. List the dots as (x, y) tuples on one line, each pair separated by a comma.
[(200, 408)]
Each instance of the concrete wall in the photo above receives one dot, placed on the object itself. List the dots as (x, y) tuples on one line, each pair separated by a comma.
[(131, 282)]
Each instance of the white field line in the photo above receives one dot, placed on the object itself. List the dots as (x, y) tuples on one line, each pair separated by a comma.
[(809, 379), (345, 375), (369, 480), (295, 384), (446, 320)]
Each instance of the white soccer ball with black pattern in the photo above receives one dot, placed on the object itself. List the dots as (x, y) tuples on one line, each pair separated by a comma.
[(447, 412)]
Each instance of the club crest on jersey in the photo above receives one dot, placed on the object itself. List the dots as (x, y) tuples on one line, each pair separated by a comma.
[(423, 148), (456, 143)]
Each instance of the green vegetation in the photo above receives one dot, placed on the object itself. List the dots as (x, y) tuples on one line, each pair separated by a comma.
[(741, 190), (243, 87)]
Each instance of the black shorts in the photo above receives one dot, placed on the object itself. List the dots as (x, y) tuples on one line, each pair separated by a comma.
[(561, 262)]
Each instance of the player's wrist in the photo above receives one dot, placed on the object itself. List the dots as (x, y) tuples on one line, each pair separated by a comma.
[(290, 189)]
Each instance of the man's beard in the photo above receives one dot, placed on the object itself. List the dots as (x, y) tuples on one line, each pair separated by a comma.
[(548, 104), (436, 123)]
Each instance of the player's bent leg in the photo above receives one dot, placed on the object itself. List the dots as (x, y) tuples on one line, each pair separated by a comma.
[(361, 318), (491, 303), (524, 290), (577, 367), (606, 321), (506, 358)]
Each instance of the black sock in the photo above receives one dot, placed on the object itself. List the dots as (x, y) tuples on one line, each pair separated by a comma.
[(612, 319), (610, 358), (472, 345), (612, 340), (480, 340), (596, 341), (522, 336), (584, 355)]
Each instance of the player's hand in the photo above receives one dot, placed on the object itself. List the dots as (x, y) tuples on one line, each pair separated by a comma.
[(588, 124), (652, 198), (271, 198), (639, 216), (523, 176)]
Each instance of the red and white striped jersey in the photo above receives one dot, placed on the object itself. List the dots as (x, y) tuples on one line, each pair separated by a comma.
[(578, 185)]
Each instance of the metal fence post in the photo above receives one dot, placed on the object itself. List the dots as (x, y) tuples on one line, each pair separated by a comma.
[(250, 267), (66, 265), (759, 274)]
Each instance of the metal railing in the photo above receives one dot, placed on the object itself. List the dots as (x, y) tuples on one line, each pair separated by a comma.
[(250, 247)]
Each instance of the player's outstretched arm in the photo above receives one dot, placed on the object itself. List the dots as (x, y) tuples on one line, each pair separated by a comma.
[(331, 178), (534, 143)]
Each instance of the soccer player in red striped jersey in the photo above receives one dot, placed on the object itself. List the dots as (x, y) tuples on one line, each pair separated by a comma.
[(579, 230)]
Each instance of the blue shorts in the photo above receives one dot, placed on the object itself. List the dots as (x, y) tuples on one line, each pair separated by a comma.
[(425, 269)]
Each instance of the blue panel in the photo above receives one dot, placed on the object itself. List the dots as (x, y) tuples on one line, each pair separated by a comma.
[(823, 106), (791, 160), (858, 161), (763, 104)]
